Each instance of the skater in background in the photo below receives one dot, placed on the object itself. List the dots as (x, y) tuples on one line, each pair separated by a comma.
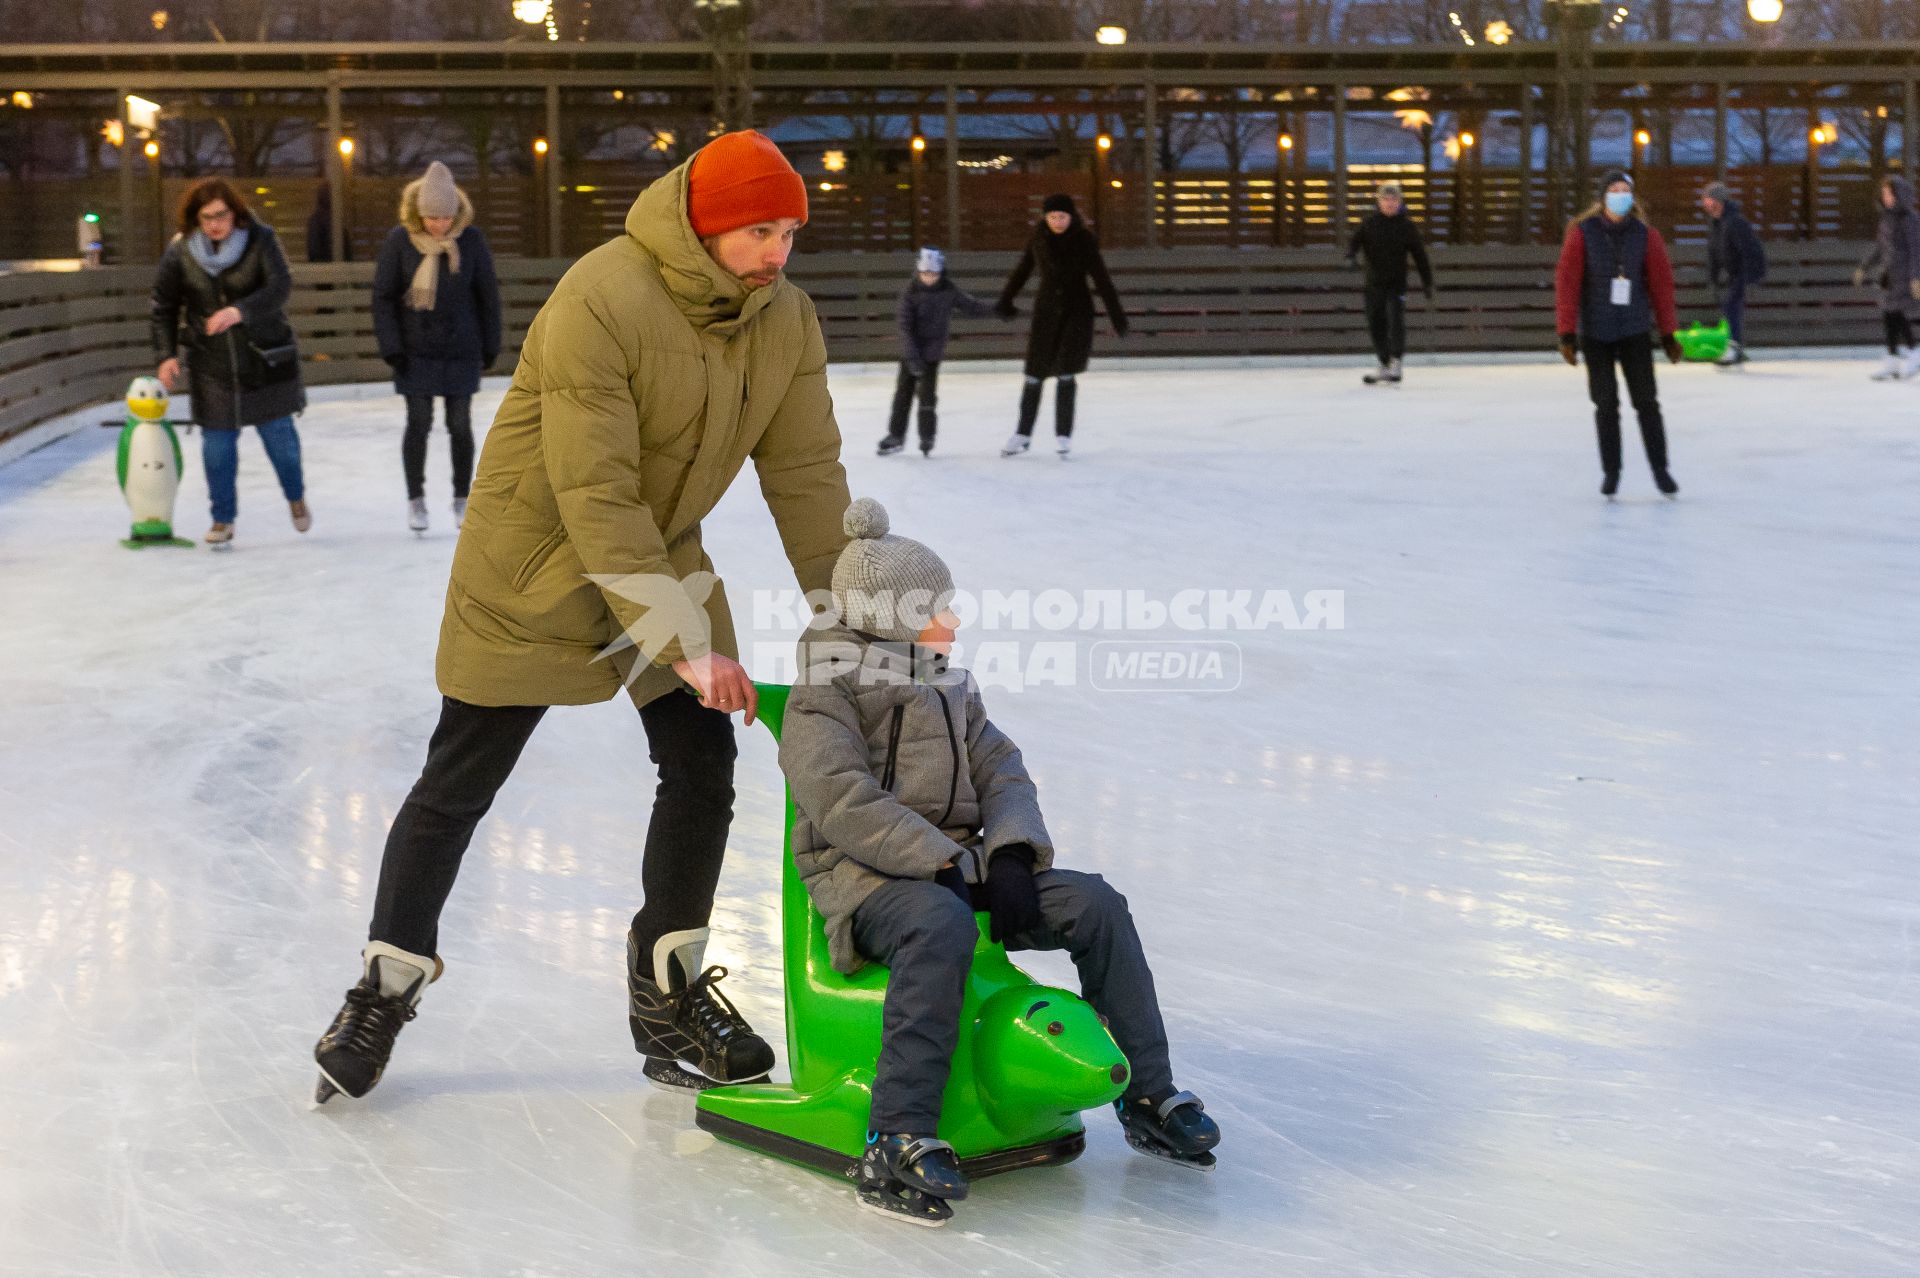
[(924, 315), (436, 314), (1613, 292), (320, 229), (1894, 264), (1386, 238), (898, 858), (1066, 254), (580, 574), (1735, 260), (220, 298)]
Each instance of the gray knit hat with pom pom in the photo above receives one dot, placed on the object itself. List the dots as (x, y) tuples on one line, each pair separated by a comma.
[(885, 585)]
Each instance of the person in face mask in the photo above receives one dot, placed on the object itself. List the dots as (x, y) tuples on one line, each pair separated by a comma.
[(1613, 292)]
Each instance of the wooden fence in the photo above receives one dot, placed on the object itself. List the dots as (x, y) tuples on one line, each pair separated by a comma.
[(893, 212), (69, 339)]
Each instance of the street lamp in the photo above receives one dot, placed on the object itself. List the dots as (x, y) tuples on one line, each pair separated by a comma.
[(151, 150), (539, 146), (1766, 10), (1110, 35), (346, 148)]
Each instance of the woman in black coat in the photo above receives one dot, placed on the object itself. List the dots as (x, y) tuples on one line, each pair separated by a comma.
[(436, 313), (220, 298), (1066, 254)]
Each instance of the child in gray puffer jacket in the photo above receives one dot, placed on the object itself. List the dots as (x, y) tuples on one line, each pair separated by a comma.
[(914, 811)]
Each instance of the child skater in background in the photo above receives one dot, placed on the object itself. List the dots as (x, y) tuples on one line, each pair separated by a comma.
[(914, 811), (925, 313)]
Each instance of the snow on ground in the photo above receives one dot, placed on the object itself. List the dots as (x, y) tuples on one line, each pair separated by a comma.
[(1551, 917)]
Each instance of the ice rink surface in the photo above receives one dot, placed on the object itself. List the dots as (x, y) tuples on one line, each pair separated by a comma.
[(1554, 916)]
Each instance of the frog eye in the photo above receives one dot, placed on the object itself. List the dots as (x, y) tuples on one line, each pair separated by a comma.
[(1056, 1029)]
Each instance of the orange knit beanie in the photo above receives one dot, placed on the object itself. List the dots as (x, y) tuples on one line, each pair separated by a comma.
[(739, 179)]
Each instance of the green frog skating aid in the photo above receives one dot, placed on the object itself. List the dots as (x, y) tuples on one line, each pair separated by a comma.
[(1030, 1057)]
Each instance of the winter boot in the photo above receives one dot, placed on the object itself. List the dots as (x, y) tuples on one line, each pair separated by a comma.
[(417, 514), (911, 1178), (353, 1053), (302, 517), (1733, 356), (1174, 1127), (459, 511), (1890, 365), (678, 1014), (1664, 482), (891, 444), (220, 536), (1610, 483)]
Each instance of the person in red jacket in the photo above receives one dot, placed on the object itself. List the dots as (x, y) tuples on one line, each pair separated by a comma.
[(1612, 293)]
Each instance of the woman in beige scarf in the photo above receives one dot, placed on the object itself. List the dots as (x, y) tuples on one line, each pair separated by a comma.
[(436, 313)]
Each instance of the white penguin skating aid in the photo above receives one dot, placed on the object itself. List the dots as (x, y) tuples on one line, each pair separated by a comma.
[(149, 465)]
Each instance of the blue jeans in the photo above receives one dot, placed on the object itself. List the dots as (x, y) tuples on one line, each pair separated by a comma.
[(1734, 307), (220, 454)]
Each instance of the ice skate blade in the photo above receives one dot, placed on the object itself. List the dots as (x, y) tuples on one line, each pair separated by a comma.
[(1201, 1162), (916, 1209), (672, 1076), (326, 1089)]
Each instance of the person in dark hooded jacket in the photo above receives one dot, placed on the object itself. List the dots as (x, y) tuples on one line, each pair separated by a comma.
[(220, 299), (436, 314), (1735, 260), (1066, 255), (924, 315), (1894, 264), (1386, 238)]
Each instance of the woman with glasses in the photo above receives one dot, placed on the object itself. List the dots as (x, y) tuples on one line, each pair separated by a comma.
[(220, 298)]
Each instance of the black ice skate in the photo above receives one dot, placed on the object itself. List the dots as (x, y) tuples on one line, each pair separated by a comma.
[(892, 444), (1610, 484), (1177, 1129), (910, 1178), (353, 1053), (690, 1034), (1664, 482)]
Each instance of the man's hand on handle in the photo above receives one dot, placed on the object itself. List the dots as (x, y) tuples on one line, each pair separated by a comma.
[(721, 683)]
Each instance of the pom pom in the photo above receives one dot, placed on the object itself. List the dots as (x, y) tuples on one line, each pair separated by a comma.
[(866, 518)]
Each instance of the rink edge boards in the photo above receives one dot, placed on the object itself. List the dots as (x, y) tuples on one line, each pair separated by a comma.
[(818, 1157)]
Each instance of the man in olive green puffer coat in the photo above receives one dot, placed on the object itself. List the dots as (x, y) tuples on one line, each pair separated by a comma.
[(664, 360)]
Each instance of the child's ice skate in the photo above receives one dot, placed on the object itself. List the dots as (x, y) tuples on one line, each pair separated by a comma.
[(911, 1178), (1176, 1129)]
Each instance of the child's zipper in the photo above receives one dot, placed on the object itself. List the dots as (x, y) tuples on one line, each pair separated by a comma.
[(893, 748)]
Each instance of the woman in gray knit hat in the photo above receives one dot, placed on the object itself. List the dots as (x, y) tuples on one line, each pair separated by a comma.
[(436, 313)]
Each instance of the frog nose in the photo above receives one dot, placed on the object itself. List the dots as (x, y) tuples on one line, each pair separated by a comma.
[(1118, 1073)]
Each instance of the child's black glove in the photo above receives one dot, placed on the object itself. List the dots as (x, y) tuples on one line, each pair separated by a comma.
[(1013, 902)]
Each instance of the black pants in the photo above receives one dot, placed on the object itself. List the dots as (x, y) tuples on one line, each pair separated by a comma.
[(413, 445), (925, 935), (1899, 330), (1065, 391), (472, 752), (927, 386), (1634, 357), (1387, 322)]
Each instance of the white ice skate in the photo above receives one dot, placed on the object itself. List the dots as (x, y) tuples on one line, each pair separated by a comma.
[(417, 514), (1890, 365), (1016, 444), (1063, 445), (459, 511), (1910, 361)]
